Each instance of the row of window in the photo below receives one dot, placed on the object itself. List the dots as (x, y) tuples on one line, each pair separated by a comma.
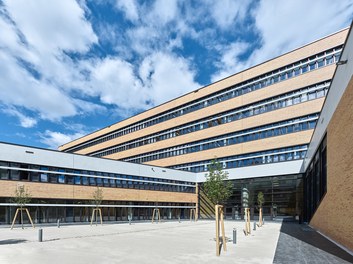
[(306, 94), (36, 173), (292, 70), (256, 158), (272, 130)]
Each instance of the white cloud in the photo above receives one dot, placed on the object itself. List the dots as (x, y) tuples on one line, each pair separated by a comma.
[(166, 76), (160, 77), (114, 81), (52, 26), (19, 88), (284, 26), (129, 9), (36, 73), (55, 139), (228, 13), (25, 121), (230, 62), (163, 12)]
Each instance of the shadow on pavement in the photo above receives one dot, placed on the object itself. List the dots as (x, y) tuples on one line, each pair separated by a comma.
[(308, 235), (12, 241)]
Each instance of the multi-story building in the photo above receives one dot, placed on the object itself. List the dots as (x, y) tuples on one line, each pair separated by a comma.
[(241, 120), (257, 123), (282, 127), (62, 186)]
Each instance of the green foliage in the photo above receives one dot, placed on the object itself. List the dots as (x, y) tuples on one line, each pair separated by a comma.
[(97, 197), (22, 196), (216, 187), (260, 199)]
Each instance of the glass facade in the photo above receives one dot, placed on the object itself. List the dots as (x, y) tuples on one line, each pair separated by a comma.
[(249, 159), (283, 197), (76, 211), (315, 181)]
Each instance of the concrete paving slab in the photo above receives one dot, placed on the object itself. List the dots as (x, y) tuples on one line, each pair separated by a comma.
[(168, 242)]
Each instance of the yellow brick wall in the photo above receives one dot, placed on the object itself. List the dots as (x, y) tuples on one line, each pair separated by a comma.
[(66, 191), (334, 216)]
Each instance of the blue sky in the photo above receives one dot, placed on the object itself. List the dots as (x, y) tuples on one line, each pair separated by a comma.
[(71, 67)]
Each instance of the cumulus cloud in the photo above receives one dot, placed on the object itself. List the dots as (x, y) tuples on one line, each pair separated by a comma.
[(58, 62), (55, 139), (129, 8), (160, 77), (25, 121), (283, 26), (166, 76), (228, 13), (229, 62)]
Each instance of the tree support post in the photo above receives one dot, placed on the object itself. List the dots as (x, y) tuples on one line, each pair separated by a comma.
[(220, 222), (193, 213), (156, 212), (20, 210), (97, 210)]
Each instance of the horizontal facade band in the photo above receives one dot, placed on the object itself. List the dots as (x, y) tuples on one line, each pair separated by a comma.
[(294, 97), (305, 65), (102, 205)]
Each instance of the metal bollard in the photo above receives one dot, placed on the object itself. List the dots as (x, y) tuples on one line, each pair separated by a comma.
[(58, 223), (179, 219), (40, 235), (234, 235), (254, 225), (263, 221)]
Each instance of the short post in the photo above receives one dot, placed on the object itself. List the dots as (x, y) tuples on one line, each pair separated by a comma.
[(40, 235), (58, 223), (254, 225), (129, 217), (234, 235), (263, 220)]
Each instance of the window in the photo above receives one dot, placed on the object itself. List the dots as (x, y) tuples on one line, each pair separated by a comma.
[(24, 175), (4, 173)]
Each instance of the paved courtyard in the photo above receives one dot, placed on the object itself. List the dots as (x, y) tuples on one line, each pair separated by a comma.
[(167, 242)]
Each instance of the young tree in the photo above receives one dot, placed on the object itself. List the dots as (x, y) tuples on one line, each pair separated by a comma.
[(260, 202), (97, 201), (97, 197), (216, 187), (21, 198), (260, 199)]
